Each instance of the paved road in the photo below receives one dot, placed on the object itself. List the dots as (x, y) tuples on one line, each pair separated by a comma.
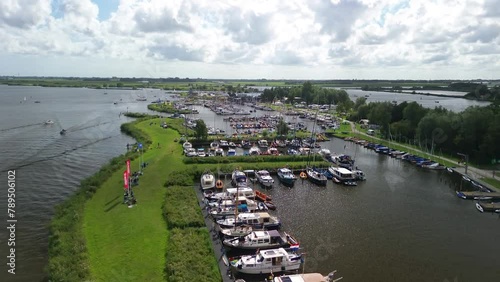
[(472, 172)]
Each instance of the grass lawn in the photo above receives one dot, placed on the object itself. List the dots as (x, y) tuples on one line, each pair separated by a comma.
[(130, 244), (492, 181)]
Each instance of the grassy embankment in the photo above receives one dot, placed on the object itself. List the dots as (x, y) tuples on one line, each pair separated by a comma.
[(131, 244), (68, 256), (492, 181)]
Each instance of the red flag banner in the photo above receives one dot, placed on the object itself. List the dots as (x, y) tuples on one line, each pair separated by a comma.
[(125, 180), (128, 167)]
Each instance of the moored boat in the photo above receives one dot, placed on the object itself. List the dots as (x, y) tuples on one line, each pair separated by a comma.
[(262, 196), (286, 176), (49, 121), (186, 145), (260, 220), (238, 231), (207, 180), (268, 261), (264, 177), (344, 175), (239, 179), (316, 177), (254, 150), (263, 143), (307, 277), (266, 239)]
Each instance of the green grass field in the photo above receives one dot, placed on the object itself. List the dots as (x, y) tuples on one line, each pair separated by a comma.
[(130, 244)]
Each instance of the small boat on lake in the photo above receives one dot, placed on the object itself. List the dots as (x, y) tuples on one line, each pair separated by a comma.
[(262, 240), (286, 176), (49, 121), (267, 261), (62, 132)]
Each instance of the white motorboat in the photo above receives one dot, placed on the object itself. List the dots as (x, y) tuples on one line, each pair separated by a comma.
[(191, 152), (254, 150), (207, 180), (260, 220), (264, 177), (201, 152), (268, 261), (219, 152), (307, 277), (263, 143), (343, 175), (262, 240), (187, 145), (49, 121)]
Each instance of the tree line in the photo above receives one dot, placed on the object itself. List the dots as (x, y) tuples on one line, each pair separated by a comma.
[(474, 131), (310, 94)]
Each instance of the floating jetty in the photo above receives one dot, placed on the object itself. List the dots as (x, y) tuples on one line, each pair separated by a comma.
[(488, 207), (478, 194)]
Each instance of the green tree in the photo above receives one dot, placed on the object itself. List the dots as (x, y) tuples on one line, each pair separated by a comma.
[(200, 130), (360, 101), (381, 114), (282, 128)]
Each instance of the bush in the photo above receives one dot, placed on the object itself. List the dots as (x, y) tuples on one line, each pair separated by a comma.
[(181, 208), (190, 256), (180, 178)]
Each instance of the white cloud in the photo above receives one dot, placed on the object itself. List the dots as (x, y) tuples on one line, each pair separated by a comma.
[(297, 38)]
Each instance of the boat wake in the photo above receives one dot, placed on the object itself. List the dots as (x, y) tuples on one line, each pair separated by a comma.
[(25, 164), (22, 126), (89, 126)]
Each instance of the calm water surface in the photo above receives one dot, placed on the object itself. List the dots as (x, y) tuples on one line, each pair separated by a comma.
[(49, 166), (402, 224)]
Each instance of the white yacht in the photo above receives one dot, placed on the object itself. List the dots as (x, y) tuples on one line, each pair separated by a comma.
[(268, 261)]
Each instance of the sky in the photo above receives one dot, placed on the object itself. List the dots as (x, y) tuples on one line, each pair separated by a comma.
[(239, 39)]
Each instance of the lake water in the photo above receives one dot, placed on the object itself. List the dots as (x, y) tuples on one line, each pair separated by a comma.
[(402, 224), (451, 103)]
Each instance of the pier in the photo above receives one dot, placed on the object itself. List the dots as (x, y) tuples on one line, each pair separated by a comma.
[(478, 194), (218, 247), (488, 207)]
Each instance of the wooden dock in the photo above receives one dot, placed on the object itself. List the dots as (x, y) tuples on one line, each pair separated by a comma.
[(477, 194), (488, 206)]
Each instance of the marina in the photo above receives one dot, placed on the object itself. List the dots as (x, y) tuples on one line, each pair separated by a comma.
[(401, 209)]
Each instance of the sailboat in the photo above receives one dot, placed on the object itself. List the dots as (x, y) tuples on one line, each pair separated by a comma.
[(313, 175)]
